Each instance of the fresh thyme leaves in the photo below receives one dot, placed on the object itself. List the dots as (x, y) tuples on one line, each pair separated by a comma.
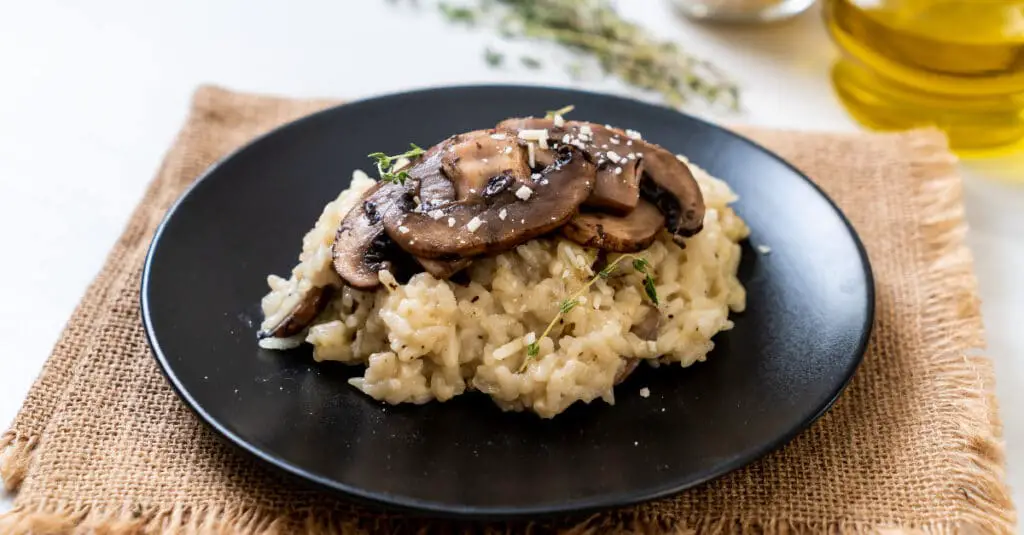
[(493, 57), (652, 294), (530, 62), (622, 48), (386, 164), (457, 13), (551, 114), (640, 264)]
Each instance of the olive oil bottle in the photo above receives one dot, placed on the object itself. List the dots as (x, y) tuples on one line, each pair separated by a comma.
[(954, 64)]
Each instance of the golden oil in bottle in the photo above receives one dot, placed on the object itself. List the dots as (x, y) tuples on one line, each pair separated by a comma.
[(954, 64)]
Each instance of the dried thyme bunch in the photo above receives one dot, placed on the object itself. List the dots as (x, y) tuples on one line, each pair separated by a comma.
[(622, 48)]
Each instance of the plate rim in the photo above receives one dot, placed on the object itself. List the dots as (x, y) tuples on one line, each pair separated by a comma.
[(494, 513)]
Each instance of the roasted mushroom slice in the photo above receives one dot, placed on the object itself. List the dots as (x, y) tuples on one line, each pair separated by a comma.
[(361, 248), (628, 367), (503, 214), (618, 165), (472, 161), (647, 329), (304, 312), (620, 234), (669, 184), (617, 189), (443, 269)]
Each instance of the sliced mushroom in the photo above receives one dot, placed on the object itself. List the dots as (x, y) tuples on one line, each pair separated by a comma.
[(620, 234), (305, 311), (618, 176), (663, 179), (647, 329), (443, 269), (484, 163), (361, 248), (669, 184), (628, 367), (506, 212)]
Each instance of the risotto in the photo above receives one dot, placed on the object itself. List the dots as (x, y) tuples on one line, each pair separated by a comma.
[(503, 327)]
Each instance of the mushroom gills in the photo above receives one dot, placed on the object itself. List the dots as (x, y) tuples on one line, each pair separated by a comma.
[(669, 184), (361, 248), (305, 311), (620, 234)]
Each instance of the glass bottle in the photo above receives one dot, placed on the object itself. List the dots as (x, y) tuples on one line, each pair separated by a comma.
[(742, 11), (954, 64)]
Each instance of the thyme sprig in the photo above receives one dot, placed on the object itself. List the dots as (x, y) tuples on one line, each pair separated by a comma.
[(386, 164), (551, 114), (621, 47), (640, 264)]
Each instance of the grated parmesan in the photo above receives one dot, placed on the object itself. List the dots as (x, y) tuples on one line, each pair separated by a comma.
[(474, 224), (524, 193), (539, 135)]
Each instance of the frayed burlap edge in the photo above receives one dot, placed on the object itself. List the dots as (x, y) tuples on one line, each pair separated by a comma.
[(955, 338), (59, 519), (15, 456)]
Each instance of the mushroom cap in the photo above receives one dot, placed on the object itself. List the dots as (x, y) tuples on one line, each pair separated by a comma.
[(472, 160), (505, 214), (621, 234), (617, 187), (361, 248), (663, 179)]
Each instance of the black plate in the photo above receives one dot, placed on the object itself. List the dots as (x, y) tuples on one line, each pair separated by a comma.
[(791, 353)]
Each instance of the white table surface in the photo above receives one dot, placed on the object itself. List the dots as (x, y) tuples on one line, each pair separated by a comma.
[(91, 97)]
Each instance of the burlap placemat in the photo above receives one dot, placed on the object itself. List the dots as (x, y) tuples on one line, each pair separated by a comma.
[(103, 445)]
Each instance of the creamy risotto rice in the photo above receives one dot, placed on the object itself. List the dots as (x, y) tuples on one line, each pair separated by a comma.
[(433, 339)]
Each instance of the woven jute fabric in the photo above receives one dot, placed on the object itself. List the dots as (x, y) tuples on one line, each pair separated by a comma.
[(102, 445)]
